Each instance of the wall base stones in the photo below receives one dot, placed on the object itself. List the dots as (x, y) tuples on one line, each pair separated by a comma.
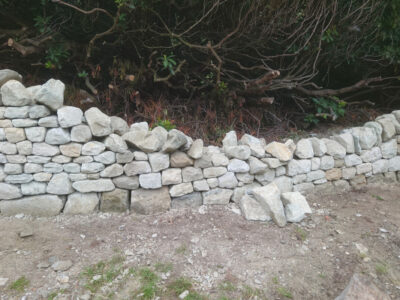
[(57, 159)]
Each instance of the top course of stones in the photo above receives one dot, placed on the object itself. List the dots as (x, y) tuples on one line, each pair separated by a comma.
[(56, 159)]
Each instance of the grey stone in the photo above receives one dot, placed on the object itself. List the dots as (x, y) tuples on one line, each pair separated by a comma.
[(200, 185), (315, 163), (239, 166), (192, 200), (9, 191), (228, 180), (304, 149), (256, 166), (50, 122), (57, 136), (212, 182), (92, 167), (334, 149), (12, 169), (304, 188), (20, 178), (273, 163), (388, 129), (115, 201), (158, 161), (161, 133), (137, 167), (245, 177), (349, 173), (126, 157), (364, 138), (107, 157), (72, 168), (38, 111), (126, 182), (196, 150), (93, 148), (266, 176), (115, 143), (42, 205), (114, 170), (150, 180), (14, 135), (13, 93), (380, 166), (140, 126), (240, 192), (81, 134), (241, 152), (24, 148), (364, 168), (296, 206), (219, 160), (191, 174), (99, 123), (394, 164), (346, 140), (352, 160), (7, 74), (69, 116), (378, 130), (319, 147), (38, 159), (31, 168), (88, 186), (284, 183), (371, 155), (22, 123), (78, 203), (35, 134), (147, 202), (230, 139), (214, 172), (139, 155), (252, 210), (217, 196), (172, 176), (206, 160), (175, 140), (255, 145), (298, 167), (181, 189), (61, 265), (83, 159), (51, 94), (16, 159), (8, 148), (146, 141), (52, 168), (60, 184), (33, 188), (389, 149), (119, 125), (42, 177)]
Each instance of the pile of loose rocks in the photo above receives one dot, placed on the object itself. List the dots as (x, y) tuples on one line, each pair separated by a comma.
[(55, 158)]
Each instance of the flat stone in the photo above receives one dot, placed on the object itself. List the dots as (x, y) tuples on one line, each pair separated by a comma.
[(214, 172), (42, 177), (60, 185), (33, 188), (240, 192), (171, 176), (42, 205), (24, 147), (212, 182), (352, 160), (389, 149), (57, 136), (9, 191), (143, 126), (71, 150), (107, 157), (38, 111), (296, 206), (256, 166), (49, 122), (334, 148), (380, 166), (228, 180), (20, 178), (72, 168), (78, 203), (346, 140), (394, 164), (32, 168), (88, 186), (61, 265), (245, 177), (158, 161), (252, 210), (333, 174), (8, 148), (219, 160), (113, 170), (150, 181), (116, 143), (81, 134), (92, 167), (145, 141), (201, 186), (16, 113), (99, 123), (126, 157), (298, 167), (175, 140), (12, 169), (51, 94), (191, 174), (241, 152), (13, 93), (238, 166), (115, 201), (192, 200), (181, 189), (126, 182), (364, 168), (22, 123), (137, 167), (371, 155), (217, 196), (69, 116), (265, 177), (349, 173), (93, 148), (139, 155), (148, 202), (279, 151)]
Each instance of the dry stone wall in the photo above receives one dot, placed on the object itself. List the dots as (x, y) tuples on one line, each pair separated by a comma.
[(56, 159)]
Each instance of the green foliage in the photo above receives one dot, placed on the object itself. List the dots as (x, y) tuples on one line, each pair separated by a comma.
[(167, 124), (326, 108), (168, 62), (20, 284), (55, 57), (330, 35)]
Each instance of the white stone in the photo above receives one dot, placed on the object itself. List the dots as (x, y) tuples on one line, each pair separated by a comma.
[(266, 176), (315, 175), (241, 152), (43, 149), (78, 203), (126, 157), (52, 168), (216, 196), (230, 139), (145, 141), (137, 167), (175, 140), (192, 174), (116, 143), (31, 168), (99, 123), (318, 146), (8, 148), (200, 185), (334, 149), (150, 180), (296, 206), (394, 164), (35, 134), (364, 138), (38, 159), (126, 182), (171, 176), (14, 135), (139, 155), (245, 177), (352, 160), (81, 134), (38, 111), (238, 166), (252, 210), (57, 136), (158, 161), (380, 166), (256, 166), (33, 188), (212, 182), (371, 155), (51, 94), (389, 149), (107, 157), (42, 205), (196, 150), (378, 130), (298, 167), (228, 180), (88, 186), (92, 167), (50, 121), (6, 75), (284, 183), (143, 126), (273, 163), (181, 189), (304, 149), (42, 177), (214, 172), (13, 93), (23, 123), (114, 170), (364, 168), (72, 168), (119, 125), (346, 140), (255, 145), (93, 148), (219, 160), (59, 184), (388, 129), (24, 148), (69, 116), (315, 163), (9, 191), (16, 113)]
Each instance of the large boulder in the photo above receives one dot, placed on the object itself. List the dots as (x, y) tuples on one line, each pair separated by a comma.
[(43, 205), (13, 93), (217, 196), (175, 140), (147, 141), (252, 209), (296, 206), (148, 202), (60, 185), (192, 200), (99, 122), (115, 201), (78, 203), (51, 94), (9, 191)]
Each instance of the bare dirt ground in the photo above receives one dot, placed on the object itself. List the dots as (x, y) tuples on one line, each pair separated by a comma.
[(212, 253)]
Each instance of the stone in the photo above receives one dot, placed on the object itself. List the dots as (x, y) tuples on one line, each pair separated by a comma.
[(360, 287), (60, 184), (8, 148), (241, 152), (304, 188), (349, 173), (389, 148), (16, 159), (296, 206), (192, 200), (158, 161), (161, 133), (346, 140), (69, 116), (206, 160), (181, 189), (352, 160), (315, 175), (88, 186), (212, 182), (315, 163), (364, 138), (38, 159), (107, 157), (371, 155), (230, 139), (256, 166), (255, 145), (146, 141), (61, 265), (216, 196), (42, 177), (16, 113), (378, 130), (126, 157), (57, 136), (228, 180), (72, 168), (150, 180), (81, 134), (269, 198), (7, 74), (23, 123), (341, 185), (238, 166), (219, 160), (388, 129), (252, 209), (214, 172), (93, 148), (201, 185), (126, 182), (99, 123), (148, 202), (119, 125), (71, 150), (78, 203), (284, 183), (24, 148), (9, 191), (279, 151), (298, 167), (196, 150), (137, 167), (245, 177), (304, 149), (35, 134), (50, 122), (38, 111), (394, 164), (191, 174), (171, 176), (318, 146), (115, 201), (139, 155), (14, 135), (114, 170), (92, 167), (51, 94), (52, 168), (13, 93), (265, 177), (143, 126), (380, 166), (240, 192), (334, 149), (333, 174), (32, 168), (20, 178), (175, 140), (116, 143), (364, 168), (41, 205)]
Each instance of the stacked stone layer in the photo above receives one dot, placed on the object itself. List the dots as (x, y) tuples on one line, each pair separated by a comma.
[(55, 158)]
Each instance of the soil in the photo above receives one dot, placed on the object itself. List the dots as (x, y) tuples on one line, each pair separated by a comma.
[(220, 253)]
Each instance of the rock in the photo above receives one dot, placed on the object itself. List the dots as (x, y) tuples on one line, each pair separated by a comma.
[(364, 168), (378, 130), (14, 135), (32, 168), (158, 161), (14, 113), (57, 136), (119, 125), (380, 166), (126, 157), (71, 150), (255, 145), (219, 160), (192, 200), (304, 149), (23, 123), (389, 149), (175, 140), (304, 188), (69, 116), (51, 94), (230, 139), (9, 191), (7, 74), (241, 152), (72, 168), (191, 174), (266, 176), (146, 141), (216, 196), (364, 138), (43, 205), (81, 134), (212, 182), (28, 232), (394, 164), (35, 134), (114, 170), (142, 126), (279, 151), (371, 155), (88, 186), (24, 148), (38, 111), (126, 182), (247, 189), (139, 155), (99, 123), (48, 122), (3, 281), (13, 93), (78, 203), (33, 188), (196, 150), (388, 129), (61, 265), (116, 143), (180, 159), (206, 160), (298, 167), (93, 148), (252, 210), (352, 160), (346, 140), (115, 201), (181, 189), (284, 183), (201, 186), (256, 166), (315, 163), (296, 206), (319, 147), (349, 173), (360, 287), (60, 185), (214, 172), (334, 148), (228, 180), (238, 166), (92, 167), (43, 149), (147, 202), (20, 178), (269, 198), (107, 157), (137, 167), (150, 181), (172, 176)]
